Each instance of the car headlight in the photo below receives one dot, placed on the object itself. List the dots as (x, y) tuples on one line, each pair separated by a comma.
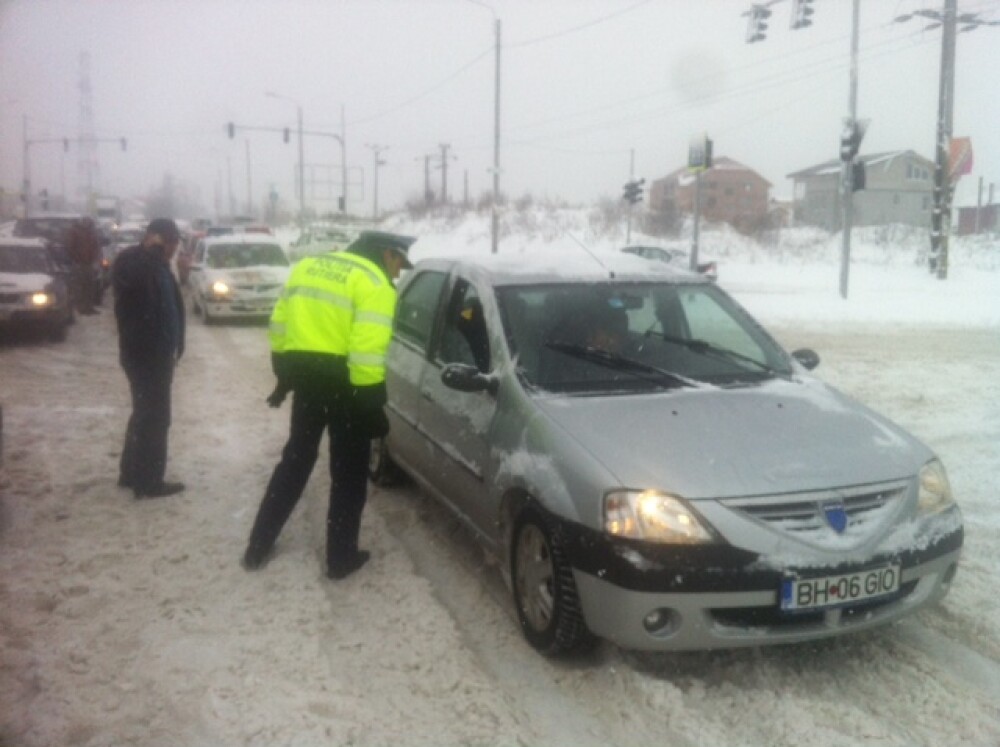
[(653, 516), (220, 289), (934, 490), (41, 299)]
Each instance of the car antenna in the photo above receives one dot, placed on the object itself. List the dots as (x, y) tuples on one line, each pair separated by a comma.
[(611, 273)]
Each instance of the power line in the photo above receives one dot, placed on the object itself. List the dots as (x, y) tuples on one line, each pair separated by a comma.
[(574, 29)]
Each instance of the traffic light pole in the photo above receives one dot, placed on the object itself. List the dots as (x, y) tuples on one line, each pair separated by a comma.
[(847, 173), (631, 176)]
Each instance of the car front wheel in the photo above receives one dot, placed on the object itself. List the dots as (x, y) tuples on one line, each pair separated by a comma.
[(545, 594)]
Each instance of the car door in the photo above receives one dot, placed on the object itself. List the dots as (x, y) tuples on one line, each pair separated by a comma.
[(406, 366), (457, 424)]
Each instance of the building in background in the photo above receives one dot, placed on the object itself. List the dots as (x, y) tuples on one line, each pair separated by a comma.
[(730, 193), (899, 188)]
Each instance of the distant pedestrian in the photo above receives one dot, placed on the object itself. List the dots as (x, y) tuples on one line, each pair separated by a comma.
[(150, 315), (329, 335), (84, 251)]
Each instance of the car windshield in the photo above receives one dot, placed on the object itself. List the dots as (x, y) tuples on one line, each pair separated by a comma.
[(128, 237), (245, 255), (23, 259), (600, 337)]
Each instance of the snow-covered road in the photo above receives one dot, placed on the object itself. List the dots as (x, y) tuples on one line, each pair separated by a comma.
[(131, 623)]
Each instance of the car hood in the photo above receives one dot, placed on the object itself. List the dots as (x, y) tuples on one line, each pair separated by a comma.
[(24, 281), (263, 274), (776, 437)]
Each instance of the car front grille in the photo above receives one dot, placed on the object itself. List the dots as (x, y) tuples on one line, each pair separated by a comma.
[(812, 517), (10, 297)]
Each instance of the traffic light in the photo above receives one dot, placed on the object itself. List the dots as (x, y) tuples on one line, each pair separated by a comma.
[(45, 199), (231, 129), (851, 137), (801, 12), (286, 135), (633, 191), (708, 153), (66, 145), (857, 176), (757, 23), (124, 144)]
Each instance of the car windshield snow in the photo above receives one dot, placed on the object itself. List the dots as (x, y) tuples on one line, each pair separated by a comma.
[(617, 336), (245, 255), (23, 259)]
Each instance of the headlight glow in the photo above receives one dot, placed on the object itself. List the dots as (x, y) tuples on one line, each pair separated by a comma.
[(41, 299), (220, 289), (935, 491), (653, 516)]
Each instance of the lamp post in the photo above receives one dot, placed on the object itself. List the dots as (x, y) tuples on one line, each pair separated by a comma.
[(302, 163)]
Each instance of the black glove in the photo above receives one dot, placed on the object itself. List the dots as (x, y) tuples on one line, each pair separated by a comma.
[(368, 411), (276, 397)]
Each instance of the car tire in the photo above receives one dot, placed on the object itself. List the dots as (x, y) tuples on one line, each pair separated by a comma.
[(545, 595), (381, 469)]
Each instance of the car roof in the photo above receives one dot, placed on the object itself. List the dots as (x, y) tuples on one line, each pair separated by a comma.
[(240, 238), (498, 270), (30, 243)]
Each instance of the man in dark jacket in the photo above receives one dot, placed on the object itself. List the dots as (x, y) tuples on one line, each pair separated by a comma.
[(150, 316)]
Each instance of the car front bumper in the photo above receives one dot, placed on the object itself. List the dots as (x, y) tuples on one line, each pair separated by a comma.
[(708, 597)]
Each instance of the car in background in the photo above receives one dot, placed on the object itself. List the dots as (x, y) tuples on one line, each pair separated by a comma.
[(674, 256), (124, 235), (649, 466), (321, 239), (33, 293), (237, 276)]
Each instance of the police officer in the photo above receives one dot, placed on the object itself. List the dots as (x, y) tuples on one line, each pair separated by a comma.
[(329, 334)]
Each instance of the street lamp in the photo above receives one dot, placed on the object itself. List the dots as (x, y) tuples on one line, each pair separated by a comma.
[(302, 163)]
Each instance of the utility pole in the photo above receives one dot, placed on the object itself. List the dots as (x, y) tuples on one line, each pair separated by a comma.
[(847, 170), (948, 19), (428, 194), (631, 177), (376, 162), (444, 172), (249, 181)]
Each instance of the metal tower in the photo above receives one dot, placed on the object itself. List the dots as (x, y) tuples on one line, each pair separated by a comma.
[(87, 166)]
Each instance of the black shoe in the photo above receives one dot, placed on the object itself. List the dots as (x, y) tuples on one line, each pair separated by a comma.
[(160, 491), (343, 568), (123, 483), (254, 560)]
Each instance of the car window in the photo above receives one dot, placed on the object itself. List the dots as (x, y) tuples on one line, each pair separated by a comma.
[(23, 259), (664, 325), (464, 337), (417, 307)]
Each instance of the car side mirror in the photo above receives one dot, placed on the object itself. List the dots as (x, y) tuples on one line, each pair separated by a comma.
[(807, 357), (466, 378)]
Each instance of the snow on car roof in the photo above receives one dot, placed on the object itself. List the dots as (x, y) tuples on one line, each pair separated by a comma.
[(230, 239), (11, 241), (563, 266)]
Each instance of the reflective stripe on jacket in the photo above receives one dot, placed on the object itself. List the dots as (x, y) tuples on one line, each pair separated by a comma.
[(337, 304)]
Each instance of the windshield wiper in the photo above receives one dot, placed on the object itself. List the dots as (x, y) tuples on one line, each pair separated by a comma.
[(621, 363), (706, 348)]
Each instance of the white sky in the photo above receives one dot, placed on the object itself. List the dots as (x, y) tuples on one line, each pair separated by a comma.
[(583, 83)]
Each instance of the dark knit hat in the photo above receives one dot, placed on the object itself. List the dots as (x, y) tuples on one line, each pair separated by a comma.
[(164, 227)]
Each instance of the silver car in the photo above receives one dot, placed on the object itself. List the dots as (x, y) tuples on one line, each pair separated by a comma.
[(650, 466)]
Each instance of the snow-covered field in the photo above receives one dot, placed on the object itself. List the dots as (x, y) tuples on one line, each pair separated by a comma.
[(131, 623)]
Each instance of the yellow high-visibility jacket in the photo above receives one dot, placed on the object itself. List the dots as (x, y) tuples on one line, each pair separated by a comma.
[(337, 304)]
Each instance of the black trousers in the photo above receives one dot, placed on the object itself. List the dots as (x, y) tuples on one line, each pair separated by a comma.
[(312, 414), (144, 455)]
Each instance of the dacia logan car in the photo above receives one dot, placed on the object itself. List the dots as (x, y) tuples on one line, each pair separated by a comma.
[(237, 276), (649, 465)]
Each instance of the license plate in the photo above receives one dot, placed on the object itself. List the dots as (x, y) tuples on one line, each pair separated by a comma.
[(799, 594)]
